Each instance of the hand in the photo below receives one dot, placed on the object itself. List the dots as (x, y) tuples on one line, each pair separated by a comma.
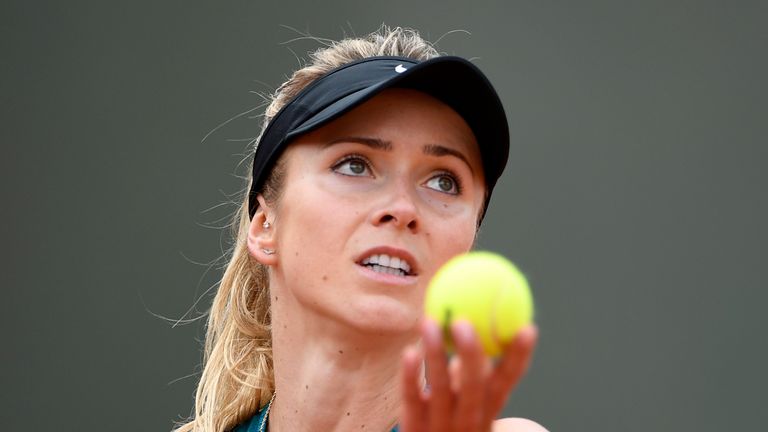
[(467, 393)]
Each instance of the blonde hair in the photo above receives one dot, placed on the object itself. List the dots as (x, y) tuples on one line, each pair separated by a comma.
[(238, 378)]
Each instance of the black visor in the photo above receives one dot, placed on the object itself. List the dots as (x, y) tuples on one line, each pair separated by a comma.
[(453, 80)]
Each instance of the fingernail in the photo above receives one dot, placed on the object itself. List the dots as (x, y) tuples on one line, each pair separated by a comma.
[(462, 330), (528, 332), (432, 335)]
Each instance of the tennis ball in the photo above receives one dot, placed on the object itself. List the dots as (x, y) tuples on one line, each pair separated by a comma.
[(485, 289)]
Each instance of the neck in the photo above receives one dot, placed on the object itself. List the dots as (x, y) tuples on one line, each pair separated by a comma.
[(331, 377)]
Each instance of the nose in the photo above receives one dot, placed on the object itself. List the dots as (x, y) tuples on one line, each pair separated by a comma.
[(398, 210)]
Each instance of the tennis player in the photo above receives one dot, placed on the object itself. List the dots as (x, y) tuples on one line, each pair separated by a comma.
[(375, 165)]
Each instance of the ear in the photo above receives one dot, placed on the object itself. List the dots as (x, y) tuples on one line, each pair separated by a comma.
[(261, 239)]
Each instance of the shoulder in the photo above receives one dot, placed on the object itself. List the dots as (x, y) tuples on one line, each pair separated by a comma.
[(516, 425)]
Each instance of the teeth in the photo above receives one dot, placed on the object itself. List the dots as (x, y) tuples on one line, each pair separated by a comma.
[(388, 270), (405, 266), (395, 263), (387, 264)]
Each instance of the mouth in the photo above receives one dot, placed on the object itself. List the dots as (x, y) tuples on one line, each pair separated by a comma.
[(391, 262)]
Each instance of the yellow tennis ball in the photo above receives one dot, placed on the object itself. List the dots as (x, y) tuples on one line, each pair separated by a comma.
[(485, 289)]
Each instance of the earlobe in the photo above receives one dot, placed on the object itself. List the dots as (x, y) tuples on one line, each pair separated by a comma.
[(261, 238)]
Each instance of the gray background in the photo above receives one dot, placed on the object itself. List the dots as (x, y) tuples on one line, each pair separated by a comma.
[(635, 197)]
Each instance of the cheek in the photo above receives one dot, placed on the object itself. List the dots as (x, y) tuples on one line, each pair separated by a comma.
[(458, 243), (449, 240), (312, 227), (303, 252)]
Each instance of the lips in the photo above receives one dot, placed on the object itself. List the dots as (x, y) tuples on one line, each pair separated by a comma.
[(387, 260)]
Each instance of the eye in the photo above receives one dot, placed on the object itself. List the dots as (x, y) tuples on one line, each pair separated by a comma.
[(355, 166), (446, 183)]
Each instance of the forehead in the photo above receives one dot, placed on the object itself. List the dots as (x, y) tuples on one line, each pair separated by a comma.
[(404, 116)]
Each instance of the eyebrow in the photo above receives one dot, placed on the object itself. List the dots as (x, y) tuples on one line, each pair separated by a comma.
[(438, 150), (379, 144), (374, 143)]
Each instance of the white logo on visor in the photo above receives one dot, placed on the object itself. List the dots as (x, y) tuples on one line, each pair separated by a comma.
[(400, 69)]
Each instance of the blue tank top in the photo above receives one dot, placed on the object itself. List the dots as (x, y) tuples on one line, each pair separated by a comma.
[(252, 424)]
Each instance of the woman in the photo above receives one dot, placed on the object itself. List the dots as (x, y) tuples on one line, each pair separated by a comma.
[(374, 167)]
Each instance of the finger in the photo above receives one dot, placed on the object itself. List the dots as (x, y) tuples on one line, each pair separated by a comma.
[(412, 408), (454, 374), (440, 397), (513, 365), (470, 398)]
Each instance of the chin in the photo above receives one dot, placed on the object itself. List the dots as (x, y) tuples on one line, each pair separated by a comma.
[(386, 316)]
